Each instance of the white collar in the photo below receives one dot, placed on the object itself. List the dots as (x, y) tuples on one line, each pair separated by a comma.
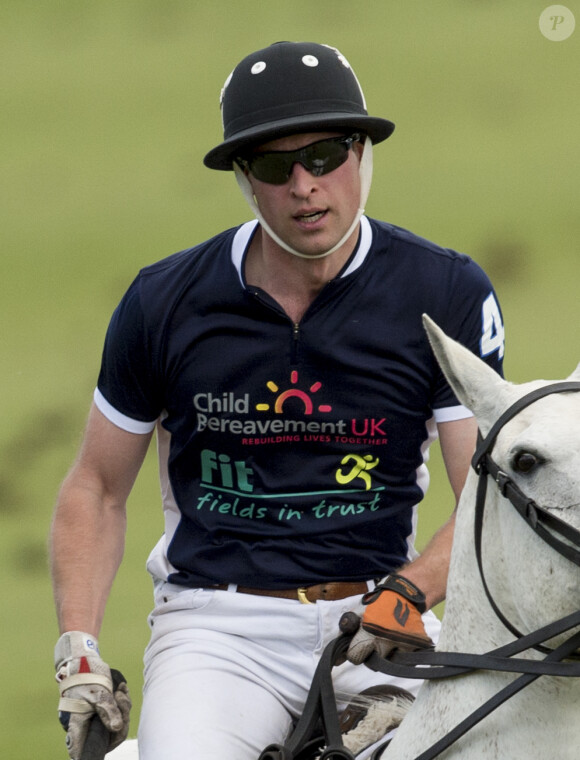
[(244, 235)]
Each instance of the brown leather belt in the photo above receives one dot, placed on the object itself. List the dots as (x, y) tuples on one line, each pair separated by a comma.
[(306, 594)]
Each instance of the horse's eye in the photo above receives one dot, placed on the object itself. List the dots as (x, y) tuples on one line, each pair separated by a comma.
[(524, 461)]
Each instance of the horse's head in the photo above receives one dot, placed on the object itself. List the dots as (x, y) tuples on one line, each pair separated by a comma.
[(539, 450)]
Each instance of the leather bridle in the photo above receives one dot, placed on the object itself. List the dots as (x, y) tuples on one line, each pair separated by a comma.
[(559, 535), (546, 525)]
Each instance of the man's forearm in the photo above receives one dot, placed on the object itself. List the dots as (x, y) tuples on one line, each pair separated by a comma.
[(429, 571), (86, 548)]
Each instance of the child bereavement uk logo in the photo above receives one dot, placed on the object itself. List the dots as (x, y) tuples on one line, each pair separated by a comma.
[(291, 393)]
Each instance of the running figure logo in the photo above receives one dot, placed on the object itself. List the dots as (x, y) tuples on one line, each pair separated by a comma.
[(359, 469)]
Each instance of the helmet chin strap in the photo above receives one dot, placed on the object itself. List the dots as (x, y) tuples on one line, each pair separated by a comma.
[(365, 174)]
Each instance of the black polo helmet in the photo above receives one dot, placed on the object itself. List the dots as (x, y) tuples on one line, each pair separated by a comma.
[(286, 88)]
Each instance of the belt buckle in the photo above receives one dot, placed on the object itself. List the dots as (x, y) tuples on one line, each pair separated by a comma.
[(301, 593)]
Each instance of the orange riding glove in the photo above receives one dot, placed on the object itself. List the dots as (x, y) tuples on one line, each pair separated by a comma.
[(391, 620)]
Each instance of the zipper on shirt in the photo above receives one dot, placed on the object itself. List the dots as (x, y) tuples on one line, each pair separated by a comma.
[(271, 304), (295, 338)]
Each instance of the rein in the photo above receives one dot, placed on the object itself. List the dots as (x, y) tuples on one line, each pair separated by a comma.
[(548, 527), (320, 707)]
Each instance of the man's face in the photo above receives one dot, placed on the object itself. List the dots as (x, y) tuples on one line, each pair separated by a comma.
[(310, 213)]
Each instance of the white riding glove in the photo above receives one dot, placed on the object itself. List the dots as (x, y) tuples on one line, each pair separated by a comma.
[(86, 688)]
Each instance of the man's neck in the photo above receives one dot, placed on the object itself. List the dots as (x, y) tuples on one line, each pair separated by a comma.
[(292, 281)]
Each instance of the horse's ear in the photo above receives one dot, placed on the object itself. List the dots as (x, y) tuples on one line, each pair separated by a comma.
[(475, 384)]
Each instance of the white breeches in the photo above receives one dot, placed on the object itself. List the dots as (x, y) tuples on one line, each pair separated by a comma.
[(226, 674)]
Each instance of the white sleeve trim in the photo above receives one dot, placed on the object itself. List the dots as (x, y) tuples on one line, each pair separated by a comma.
[(119, 419), (452, 413)]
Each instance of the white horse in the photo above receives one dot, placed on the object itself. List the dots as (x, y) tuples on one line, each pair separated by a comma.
[(530, 583), (528, 580), (126, 751)]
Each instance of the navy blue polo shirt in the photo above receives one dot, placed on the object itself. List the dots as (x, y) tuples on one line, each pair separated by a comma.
[(292, 453)]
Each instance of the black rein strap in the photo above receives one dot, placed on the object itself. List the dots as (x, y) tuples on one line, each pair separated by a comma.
[(563, 651), (320, 706)]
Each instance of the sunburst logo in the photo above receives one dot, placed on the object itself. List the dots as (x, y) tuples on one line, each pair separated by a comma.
[(283, 396)]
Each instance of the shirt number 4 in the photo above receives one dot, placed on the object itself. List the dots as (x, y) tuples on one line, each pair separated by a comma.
[(493, 334)]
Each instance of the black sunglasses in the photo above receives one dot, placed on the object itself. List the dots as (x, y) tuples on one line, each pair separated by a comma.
[(321, 157)]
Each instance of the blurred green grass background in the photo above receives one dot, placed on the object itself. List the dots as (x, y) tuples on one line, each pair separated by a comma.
[(108, 108)]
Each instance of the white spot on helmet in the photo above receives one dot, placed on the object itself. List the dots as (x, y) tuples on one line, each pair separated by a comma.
[(347, 65), (340, 56), (223, 92), (310, 60), (258, 67)]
